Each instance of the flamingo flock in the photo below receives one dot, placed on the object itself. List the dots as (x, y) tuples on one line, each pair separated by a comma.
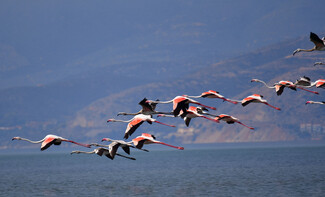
[(182, 107)]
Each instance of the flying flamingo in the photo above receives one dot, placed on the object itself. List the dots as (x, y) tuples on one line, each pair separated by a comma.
[(279, 87), (123, 144), (182, 103), (213, 94), (319, 63), (135, 122), (315, 102), (49, 140), (319, 44), (148, 108), (146, 138), (230, 120), (110, 152), (192, 112), (256, 98)]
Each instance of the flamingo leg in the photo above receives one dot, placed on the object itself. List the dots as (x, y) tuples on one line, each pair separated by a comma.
[(125, 156), (245, 125), (234, 102), (307, 90), (272, 106), (217, 121), (213, 108), (165, 124), (177, 147), (84, 145)]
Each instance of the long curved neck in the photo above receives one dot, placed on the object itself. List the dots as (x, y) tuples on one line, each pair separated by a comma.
[(34, 142), (163, 102), (84, 152), (133, 114), (263, 82), (113, 120)]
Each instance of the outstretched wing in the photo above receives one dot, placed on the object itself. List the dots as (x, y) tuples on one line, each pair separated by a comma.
[(146, 105), (316, 40)]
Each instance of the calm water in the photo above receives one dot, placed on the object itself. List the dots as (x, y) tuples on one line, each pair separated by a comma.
[(298, 171)]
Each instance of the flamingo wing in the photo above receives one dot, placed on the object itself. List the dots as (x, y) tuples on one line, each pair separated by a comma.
[(145, 105), (48, 142), (279, 89), (139, 142), (126, 149), (319, 43), (100, 151), (247, 101), (187, 121), (132, 126)]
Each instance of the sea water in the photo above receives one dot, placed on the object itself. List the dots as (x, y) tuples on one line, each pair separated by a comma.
[(262, 171)]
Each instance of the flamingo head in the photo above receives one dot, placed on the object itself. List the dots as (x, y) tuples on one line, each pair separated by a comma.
[(16, 138), (110, 120), (254, 80), (309, 102), (106, 139)]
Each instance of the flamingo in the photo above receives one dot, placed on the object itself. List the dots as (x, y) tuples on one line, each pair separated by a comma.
[(231, 120), (213, 94), (256, 98), (124, 145), (146, 138), (315, 102), (148, 108), (192, 112), (135, 122), (279, 87), (319, 44), (49, 140), (182, 103), (110, 152), (319, 63)]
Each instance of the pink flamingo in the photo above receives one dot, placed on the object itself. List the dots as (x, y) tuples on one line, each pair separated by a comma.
[(231, 120), (256, 98), (279, 87), (146, 138), (135, 122), (192, 112), (319, 44), (49, 140), (213, 94), (182, 103)]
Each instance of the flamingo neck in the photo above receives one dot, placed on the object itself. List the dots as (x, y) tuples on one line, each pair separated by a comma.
[(34, 142)]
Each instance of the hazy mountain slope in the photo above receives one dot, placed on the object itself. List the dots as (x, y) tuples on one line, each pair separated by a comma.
[(232, 79)]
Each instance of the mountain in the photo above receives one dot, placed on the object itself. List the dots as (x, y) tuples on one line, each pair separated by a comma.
[(296, 121)]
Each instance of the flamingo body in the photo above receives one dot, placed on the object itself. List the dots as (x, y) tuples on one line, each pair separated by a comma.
[(49, 140), (135, 122), (231, 120), (256, 98), (146, 138), (213, 94), (319, 44)]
